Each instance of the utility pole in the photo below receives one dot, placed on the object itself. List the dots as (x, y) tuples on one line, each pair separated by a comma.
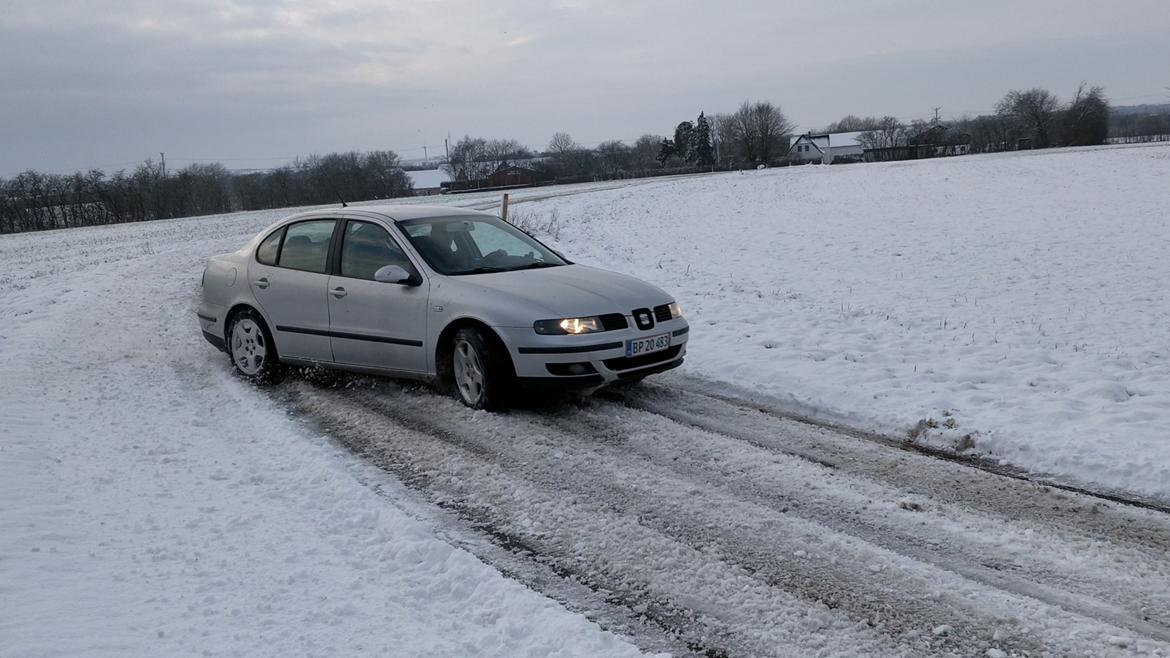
[(425, 152), (163, 157), (936, 113)]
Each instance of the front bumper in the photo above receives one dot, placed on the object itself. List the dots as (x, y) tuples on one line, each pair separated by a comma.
[(591, 360)]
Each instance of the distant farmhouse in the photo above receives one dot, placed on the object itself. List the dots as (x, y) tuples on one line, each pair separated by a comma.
[(933, 142), (827, 148), (512, 176), (505, 176)]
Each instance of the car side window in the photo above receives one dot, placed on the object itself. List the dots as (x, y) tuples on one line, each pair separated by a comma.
[(366, 248), (306, 245), (268, 250)]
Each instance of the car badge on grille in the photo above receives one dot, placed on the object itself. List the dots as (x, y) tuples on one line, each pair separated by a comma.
[(643, 318)]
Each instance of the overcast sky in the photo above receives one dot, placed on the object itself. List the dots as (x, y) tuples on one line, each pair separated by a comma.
[(108, 83)]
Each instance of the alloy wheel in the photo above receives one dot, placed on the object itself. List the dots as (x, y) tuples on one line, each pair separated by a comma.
[(469, 372), (249, 349)]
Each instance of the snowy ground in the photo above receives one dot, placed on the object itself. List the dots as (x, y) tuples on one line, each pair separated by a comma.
[(1020, 297), (152, 505)]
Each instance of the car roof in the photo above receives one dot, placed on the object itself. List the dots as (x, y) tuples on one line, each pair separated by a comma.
[(403, 211)]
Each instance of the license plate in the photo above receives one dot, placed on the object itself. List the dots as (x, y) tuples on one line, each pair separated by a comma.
[(640, 346)]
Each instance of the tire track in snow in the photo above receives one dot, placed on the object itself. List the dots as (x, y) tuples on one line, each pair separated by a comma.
[(785, 562), (665, 582), (874, 457), (997, 550)]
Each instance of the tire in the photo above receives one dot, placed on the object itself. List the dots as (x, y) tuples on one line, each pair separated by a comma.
[(481, 370), (251, 349)]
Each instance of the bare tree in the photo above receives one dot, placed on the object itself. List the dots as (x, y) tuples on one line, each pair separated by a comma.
[(467, 159), (1033, 111), (504, 152), (613, 157), (1086, 120), (761, 131), (724, 137), (886, 132), (568, 158), (851, 123), (561, 143), (644, 154)]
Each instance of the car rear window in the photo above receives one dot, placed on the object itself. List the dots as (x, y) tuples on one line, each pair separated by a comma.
[(306, 245), (267, 251)]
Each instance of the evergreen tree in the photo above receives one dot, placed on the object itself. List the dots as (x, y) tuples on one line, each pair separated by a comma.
[(699, 150), (682, 139)]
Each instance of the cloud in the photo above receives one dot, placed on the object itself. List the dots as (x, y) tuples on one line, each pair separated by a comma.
[(93, 81)]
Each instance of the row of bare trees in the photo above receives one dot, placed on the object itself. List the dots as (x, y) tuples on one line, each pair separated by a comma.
[(35, 201), (1141, 124), (756, 133), (1028, 118)]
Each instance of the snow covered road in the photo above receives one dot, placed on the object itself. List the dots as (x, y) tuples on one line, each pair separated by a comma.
[(735, 531)]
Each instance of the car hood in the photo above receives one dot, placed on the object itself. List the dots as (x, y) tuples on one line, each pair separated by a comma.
[(558, 292)]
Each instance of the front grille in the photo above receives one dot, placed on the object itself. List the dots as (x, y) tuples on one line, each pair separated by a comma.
[(662, 313), (613, 321), (627, 362)]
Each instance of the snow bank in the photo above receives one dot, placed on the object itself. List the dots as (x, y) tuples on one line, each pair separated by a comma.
[(1015, 304), (151, 504)]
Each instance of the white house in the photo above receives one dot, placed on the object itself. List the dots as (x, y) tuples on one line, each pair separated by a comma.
[(428, 181), (826, 148)]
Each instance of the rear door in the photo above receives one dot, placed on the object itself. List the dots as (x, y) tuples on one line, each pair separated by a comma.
[(288, 276), (374, 324)]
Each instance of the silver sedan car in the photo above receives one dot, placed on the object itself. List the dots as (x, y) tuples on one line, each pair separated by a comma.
[(456, 296)]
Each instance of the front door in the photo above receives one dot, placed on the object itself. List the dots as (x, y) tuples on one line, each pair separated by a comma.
[(374, 324), (288, 278)]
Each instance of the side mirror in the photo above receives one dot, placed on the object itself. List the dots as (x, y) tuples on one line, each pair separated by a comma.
[(392, 274)]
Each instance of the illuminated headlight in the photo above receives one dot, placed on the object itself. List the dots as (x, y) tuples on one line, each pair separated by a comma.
[(568, 326), (675, 310)]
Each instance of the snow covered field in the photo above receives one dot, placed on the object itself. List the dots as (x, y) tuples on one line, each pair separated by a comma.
[(150, 504), (1019, 297)]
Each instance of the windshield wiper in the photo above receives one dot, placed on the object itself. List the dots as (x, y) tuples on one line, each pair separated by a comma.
[(532, 266), (483, 269)]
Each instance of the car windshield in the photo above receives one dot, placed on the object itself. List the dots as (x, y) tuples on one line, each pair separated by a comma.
[(476, 245)]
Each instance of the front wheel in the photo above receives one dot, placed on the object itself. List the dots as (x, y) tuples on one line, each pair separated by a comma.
[(250, 346), (481, 371)]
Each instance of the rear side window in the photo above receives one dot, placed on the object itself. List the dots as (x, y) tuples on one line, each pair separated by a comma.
[(306, 245), (268, 249)]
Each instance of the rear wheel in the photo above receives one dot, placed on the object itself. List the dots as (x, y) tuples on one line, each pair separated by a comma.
[(481, 370), (251, 348)]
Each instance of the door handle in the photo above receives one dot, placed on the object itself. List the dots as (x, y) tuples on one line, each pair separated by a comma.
[(262, 282), (338, 292)]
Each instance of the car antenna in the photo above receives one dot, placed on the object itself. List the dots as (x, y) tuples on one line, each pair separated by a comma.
[(343, 203)]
